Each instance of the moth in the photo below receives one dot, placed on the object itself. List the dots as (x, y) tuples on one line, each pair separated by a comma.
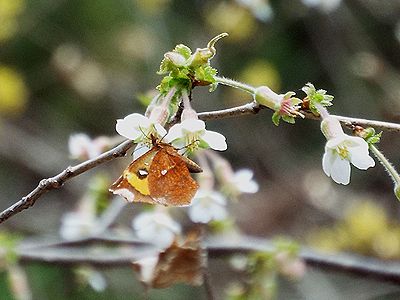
[(161, 176)]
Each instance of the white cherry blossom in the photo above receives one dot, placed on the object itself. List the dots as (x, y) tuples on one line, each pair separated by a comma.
[(191, 134), (156, 227), (139, 128), (77, 224), (341, 150), (243, 181), (207, 205), (81, 146)]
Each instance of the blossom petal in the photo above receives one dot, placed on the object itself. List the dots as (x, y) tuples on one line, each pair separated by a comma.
[(362, 160), (125, 129), (160, 130), (136, 120), (211, 206), (243, 175), (193, 125), (249, 187), (334, 142), (340, 170), (199, 213), (215, 140), (175, 132), (218, 198), (327, 161), (156, 228), (78, 145), (219, 212)]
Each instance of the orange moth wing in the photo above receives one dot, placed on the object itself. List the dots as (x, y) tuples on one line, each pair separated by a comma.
[(161, 176)]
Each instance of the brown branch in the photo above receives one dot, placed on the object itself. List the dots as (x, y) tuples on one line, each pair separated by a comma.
[(57, 181), (250, 108), (254, 108), (63, 252), (245, 109)]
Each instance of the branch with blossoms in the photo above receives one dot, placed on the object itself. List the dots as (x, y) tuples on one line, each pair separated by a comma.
[(161, 165)]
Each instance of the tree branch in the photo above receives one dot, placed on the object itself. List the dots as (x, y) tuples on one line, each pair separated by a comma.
[(57, 181), (254, 108), (249, 108)]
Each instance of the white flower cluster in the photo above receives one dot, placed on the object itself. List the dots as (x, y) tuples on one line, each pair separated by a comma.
[(190, 134)]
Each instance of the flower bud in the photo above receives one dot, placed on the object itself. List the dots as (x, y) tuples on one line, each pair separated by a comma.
[(189, 113), (176, 58), (200, 57), (331, 127), (265, 96), (159, 114)]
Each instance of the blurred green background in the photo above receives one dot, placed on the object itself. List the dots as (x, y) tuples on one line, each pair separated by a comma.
[(77, 66)]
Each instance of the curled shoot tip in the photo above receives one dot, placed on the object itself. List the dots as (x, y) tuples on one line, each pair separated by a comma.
[(212, 42)]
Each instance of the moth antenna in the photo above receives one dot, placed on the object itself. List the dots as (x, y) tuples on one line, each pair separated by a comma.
[(187, 146), (163, 137)]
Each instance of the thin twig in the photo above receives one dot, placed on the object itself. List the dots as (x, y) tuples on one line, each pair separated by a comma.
[(63, 252), (250, 108), (57, 181), (254, 108), (245, 109)]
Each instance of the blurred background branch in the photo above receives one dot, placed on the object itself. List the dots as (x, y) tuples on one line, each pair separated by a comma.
[(74, 252)]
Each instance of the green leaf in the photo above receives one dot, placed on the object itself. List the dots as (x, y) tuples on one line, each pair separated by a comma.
[(275, 118), (183, 50), (288, 119), (205, 74), (203, 145), (374, 139), (316, 97)]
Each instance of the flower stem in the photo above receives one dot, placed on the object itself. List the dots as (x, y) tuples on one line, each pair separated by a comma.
[(235, 84), (389, 168)]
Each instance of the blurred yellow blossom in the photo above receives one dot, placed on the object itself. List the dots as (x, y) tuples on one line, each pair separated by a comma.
[(152, 6), (229, 17), (9, 11), (366, 229), (260, 72), (13, 92)]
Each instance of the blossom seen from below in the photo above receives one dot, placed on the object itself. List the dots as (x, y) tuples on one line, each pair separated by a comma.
[(191, 134), (156, 227), (139, 128), (78, 224), (341, 150), (81, 146), (208, 205), (239, 182)]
